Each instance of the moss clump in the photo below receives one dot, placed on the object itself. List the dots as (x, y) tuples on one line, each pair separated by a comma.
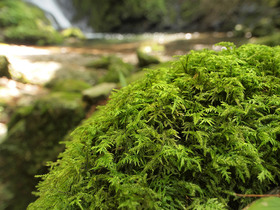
[(68, 85), (117, 69), (144, 59), (73, 33), (190, 135), (34, 133)]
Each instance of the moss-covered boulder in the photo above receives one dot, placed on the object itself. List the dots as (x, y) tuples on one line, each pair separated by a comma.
[(145, 59), (68, 85), (33, 138), (188, 136), (73, 33), (99, 92), (116, 68), (67, 75), (4, 67)]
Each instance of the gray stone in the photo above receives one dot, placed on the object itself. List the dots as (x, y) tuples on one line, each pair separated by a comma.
[(98, 92)]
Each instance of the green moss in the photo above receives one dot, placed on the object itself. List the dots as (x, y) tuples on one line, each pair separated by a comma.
[(117, 69), (144, 59), (73, 33), (190, 135), (33, 138), (102, 63), (68, 85), (98, 93)]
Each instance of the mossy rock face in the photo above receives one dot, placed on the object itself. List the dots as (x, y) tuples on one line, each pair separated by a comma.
[(68, 85), (4, 67), (73, 33), (115, 66), (33, 137), (72, 74), (98, 92), (144, 59), (190, 135)]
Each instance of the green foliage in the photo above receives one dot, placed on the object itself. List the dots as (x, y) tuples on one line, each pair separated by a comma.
[(109, 15), (257, 17), (188, 136), (26, 24), (34, 133)]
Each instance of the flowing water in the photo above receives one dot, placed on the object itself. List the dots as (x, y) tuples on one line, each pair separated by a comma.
[(53, 11)]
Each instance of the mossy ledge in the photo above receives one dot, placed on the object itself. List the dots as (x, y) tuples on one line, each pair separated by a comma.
[(188, 136)]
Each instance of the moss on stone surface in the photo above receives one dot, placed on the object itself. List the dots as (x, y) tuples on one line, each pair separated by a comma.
[(68, 85), (34, 135), (73, 33), (115, 66), (190, 135), (98, 92), (4, 67), (144, 59)]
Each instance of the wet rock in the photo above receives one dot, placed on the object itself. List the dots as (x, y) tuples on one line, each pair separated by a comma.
[(145, 59), (68, 73), (4, 67), (98, 92), (116, 68)]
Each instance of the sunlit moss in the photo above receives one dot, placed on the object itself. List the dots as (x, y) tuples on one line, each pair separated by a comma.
[(186, 136)]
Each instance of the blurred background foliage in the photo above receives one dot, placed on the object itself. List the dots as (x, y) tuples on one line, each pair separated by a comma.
[(20, 22), (259, 17)]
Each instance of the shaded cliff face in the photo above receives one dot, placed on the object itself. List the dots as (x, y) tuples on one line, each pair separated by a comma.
[(178, 15), (244, 16)]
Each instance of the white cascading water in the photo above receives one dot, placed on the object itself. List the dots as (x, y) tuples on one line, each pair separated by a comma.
[(53, 12)]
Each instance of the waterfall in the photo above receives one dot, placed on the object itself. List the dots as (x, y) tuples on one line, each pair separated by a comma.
[(69, 11), (54, 12)]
